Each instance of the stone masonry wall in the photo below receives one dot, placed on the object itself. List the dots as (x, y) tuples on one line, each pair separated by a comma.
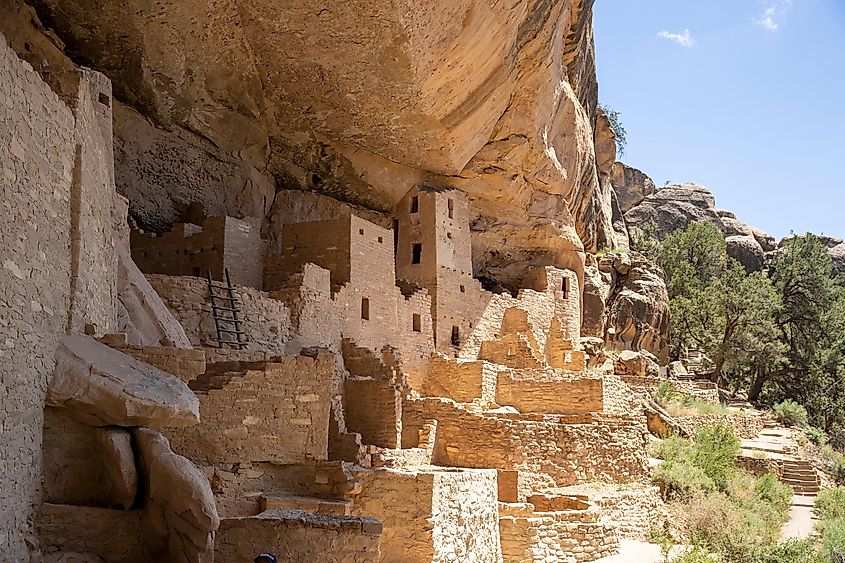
[(372, 408), (461, 381), (547, 391), (275, 411), (37, 156), (745, 426), (266, 321), (452, 516), (611, 450)]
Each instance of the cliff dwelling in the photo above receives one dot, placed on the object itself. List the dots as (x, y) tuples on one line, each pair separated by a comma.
[(414, 352)]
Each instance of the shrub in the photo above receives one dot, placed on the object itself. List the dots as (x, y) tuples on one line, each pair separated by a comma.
[(838, 472), (695, 554), (716, 447), (833, 539), (793, 551), (816, 435), (790, 413), (678, 480), (830, 503), (665, 393), (673, 448)]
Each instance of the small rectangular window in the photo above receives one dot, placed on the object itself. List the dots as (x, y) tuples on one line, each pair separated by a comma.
[(415, 204), (417, 323), (463, 289), (365, 309), (360, 231), (416, 253), (451, 206), (105, 100), (381, 239), (565, 288), (456, 336)]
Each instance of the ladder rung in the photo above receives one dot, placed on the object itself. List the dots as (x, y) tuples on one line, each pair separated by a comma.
[(224, 297), (230, 331), (225, 320), (226, 287), (231, 309)]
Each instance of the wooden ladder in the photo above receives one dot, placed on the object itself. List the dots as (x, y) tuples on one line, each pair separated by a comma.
[(224, 309)]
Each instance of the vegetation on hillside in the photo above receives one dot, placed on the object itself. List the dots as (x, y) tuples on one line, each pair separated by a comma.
[(778, 336), (724, 513)]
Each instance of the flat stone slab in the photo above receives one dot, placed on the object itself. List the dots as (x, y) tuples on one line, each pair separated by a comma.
[(100, 386)]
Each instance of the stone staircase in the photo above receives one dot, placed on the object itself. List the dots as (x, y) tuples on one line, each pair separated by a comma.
[(801, 476)]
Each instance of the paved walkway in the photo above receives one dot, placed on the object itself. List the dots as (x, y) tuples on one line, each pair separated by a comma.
[(801, 522), (638, 552)]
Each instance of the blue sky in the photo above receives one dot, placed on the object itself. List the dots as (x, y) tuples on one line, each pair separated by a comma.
[(746, 97)]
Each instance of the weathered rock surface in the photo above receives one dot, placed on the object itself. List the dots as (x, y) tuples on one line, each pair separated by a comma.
[(639, 364), (632, 186), (180, 515), (498, 100), (103, 387), (673, 207), (121, 478), (143, 316), (638, 309), (597, 286), (747, 251)]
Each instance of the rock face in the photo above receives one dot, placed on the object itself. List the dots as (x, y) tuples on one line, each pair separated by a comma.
[(638, 309), (102, 387), (631, 185), (115, 448), (676, 206), (498, 100)]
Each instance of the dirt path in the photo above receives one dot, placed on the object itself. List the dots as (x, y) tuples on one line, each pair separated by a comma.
[(801, 521)]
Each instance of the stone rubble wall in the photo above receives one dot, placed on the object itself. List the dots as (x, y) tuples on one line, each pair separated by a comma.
[(459, 380), (295, 537), (187, 365), (266, 321), (619, 398), (278, 411), (611, 450), (633, 512)]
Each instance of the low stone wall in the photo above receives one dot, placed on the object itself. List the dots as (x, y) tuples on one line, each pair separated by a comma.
[(745, 426), (702, 390), (276, 411), (433, 515), (566, 536), (547, 391), (294, 537), (266, 321), (460, 380), (619, 398), (611, 449), (113, 535), (632, 510), (187, 365)]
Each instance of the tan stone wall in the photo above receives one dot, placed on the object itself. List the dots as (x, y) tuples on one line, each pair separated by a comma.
[(619, 398), (187, 365), (57, 262), (571, 536), (633, 512), (277, 411), (461, 381), (373, 408), (610, 449), (296, 537), (548, 391), (266, 321), (453, 515), (108, 533), (192, 250), (744, 425)]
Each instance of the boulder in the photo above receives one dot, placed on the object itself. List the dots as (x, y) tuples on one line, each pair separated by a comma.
[(837, 254), (180, 515), (747, 251), (639, 364), (597, 286), (638, 310), (765, 240), (673, 207), (677, 370), (119, 474), (100, 386), (631, 186)]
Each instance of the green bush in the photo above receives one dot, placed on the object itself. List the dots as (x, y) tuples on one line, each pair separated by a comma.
[(678, 480), (665, 393), (838, 472), (793, 551), (715, 449), (673, 448), (790, 413), (830, 503), (816, 435), (770, 490), (833, 539), (695, 554)]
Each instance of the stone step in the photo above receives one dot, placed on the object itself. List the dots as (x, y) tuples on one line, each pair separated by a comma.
[(311, 505)]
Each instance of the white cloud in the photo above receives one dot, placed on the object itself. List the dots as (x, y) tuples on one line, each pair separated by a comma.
[(683, 39), (771, 16)]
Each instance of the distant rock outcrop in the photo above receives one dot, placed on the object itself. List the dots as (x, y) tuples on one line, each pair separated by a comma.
[(632, 186)]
